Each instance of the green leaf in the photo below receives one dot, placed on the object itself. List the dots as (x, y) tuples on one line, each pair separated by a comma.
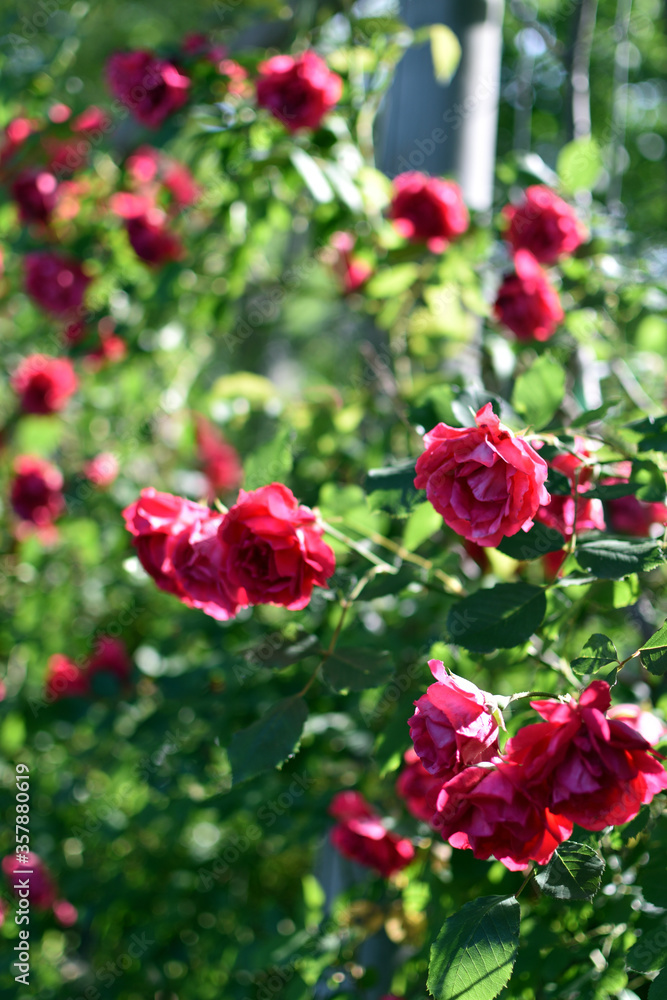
[(574, 872), (474, 953), (269, 742), (445, 52), (579, 164), (658, 988), (532, 544), (653, 653), (392, 281), (612, 491), (648, 480), (422, 523), (393, 489), (539, 392), (270, 463), (614, 558), (357, 669), (599, 652), (590, 416), (500, 617), (650, 952), (312, 175), (284, 656), (653, 431)]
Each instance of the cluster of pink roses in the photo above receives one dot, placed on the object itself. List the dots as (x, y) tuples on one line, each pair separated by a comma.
[(267, 549)]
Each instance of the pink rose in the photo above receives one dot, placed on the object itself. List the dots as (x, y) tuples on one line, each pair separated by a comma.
[(44, 384), (486, 482), (195, 561), (64, 679), (110, 656), (417, 787), (56, 283), (526, 302), (102, 470), (35, 192), (648, 725), (452, 727), (428, 210), (36, 490), (42, 887), (596, 771), (151, 88), (360, 836), (274, 553), (544, 224), (298, 91), (494, 814)]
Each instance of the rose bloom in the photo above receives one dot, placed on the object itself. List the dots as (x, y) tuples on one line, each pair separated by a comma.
[(151, 240), (220, 461), (110, 656), (645, 723), (597, 771), (526, 302), (64, 679), (102, 470), (56, 283), (151, 88), (544, 224), (35, 192), (417, 787), (36, 490), (361, 837), (44, 384), (428, 210), (195, 561), (274, 553), (298, 91), (486, 482), (452, 726), (495, 814)]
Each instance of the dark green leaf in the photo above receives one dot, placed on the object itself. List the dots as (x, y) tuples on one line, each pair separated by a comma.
[(598, 653), (392, 489), (636, 825), (653, 653), (650, 952), (653, 431), (614, 558), (612, 491), (590, 416), (357, 669), (648, 480), (500, 617), (557, 483), (474, 953), (539, 391), (269, 742), (283, 656), (658, 988), (532, 544), (574, 872)]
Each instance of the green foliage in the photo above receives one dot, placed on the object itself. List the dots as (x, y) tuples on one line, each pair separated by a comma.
[(269, 742), (574, 872), (500, 617)]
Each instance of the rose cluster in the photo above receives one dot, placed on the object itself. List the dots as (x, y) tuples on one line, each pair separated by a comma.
[(585, 763), (267, 549), (361, 836)]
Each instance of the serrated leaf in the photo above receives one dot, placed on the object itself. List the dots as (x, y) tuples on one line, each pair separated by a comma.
[(271, 462), (539, 392), (532, 544), (574, 872), (599, 652), (269, 742), (357, 669), (650, 952), (653, 653), (614, 558), (500, 617), (393, 489), (445, 52), (474, 953)]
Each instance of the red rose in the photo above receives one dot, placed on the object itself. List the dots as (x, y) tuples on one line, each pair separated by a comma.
[(110, 656), (452, 726), (428, 210), (417, 787), (544, 224), (274, 553), (181, 184), (36, 490), (64, 679), (44, 384), (56, 283), (645, 723), (361, 836), (151, 240), (151, 88), (195, 561), (493, 813), (220, 461), (486, 482), (298, 91), (36, 194), (596, 771), (353, 272), (153, 519), (526, 302), (42, 888), (102, 470), (630, 515)]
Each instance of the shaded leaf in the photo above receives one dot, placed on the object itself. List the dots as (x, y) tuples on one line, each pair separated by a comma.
[(574, 872), (599, 652), (653, 653), (393, 489), (532, 544), (614, 558), (269, 742), (500, 617), (357, 669)]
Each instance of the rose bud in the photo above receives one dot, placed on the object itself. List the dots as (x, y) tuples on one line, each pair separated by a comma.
[(596, 771), (361, 837), (428, 210), (55, 283), (151, 88), (485, 481), (526, 302), (64, 679), (544, 224), (44, 384), (298, 91), (36, 490)]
